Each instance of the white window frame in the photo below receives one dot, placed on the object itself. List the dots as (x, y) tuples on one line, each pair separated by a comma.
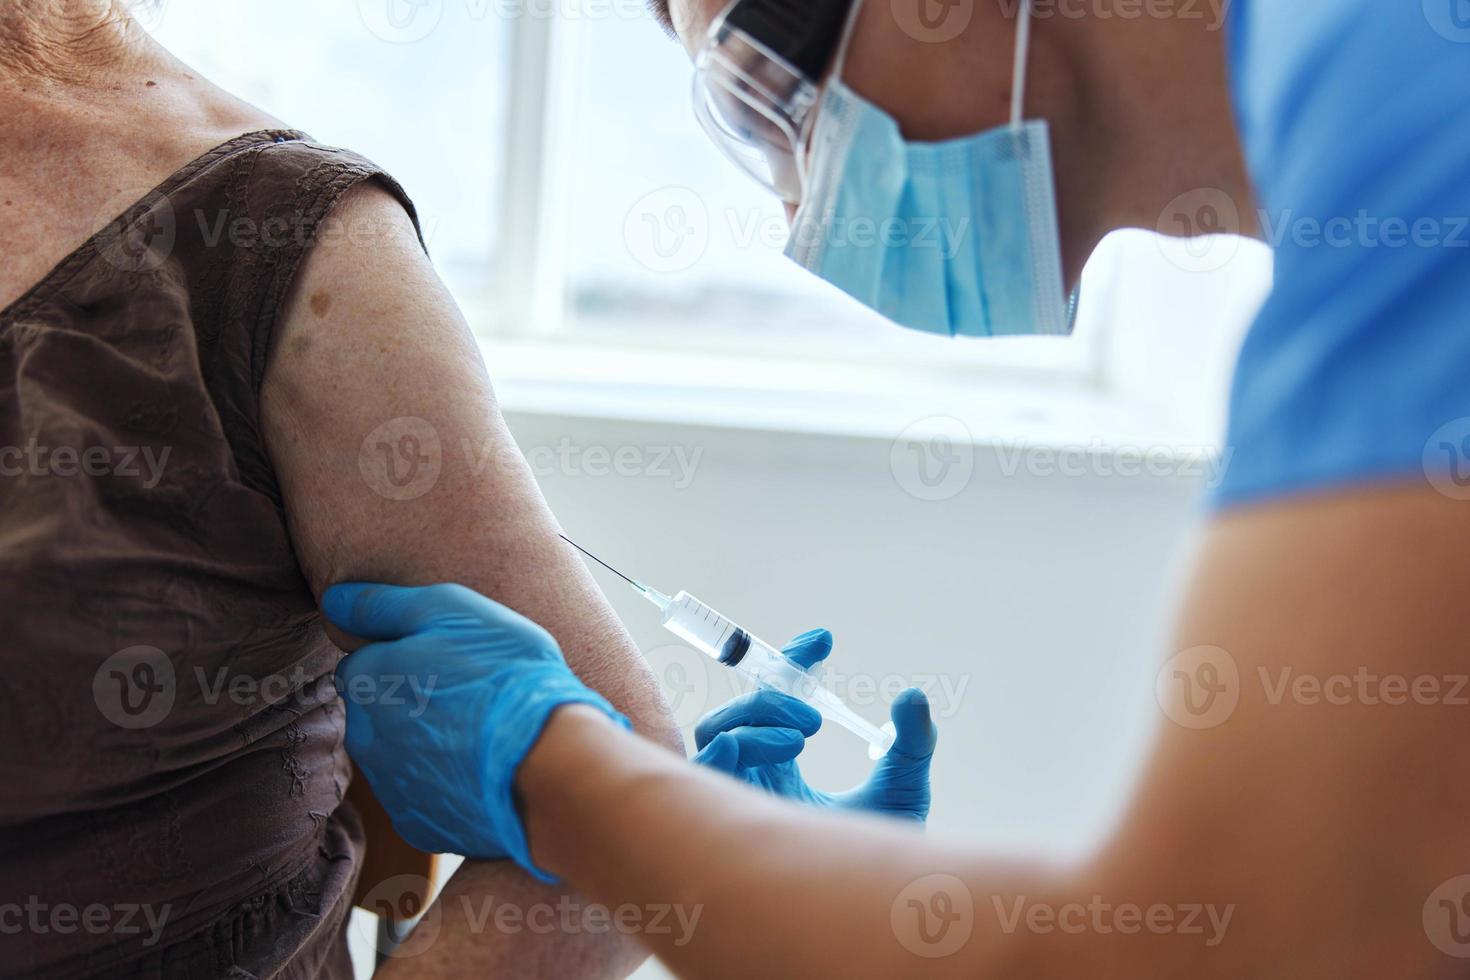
[(527, 280)]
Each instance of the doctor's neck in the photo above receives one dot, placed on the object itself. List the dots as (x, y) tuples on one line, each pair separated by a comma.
[(1138, 102)]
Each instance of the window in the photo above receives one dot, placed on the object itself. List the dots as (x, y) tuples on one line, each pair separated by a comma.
[(429, 109)]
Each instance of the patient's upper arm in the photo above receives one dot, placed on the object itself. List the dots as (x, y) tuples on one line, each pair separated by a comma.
[(393, 459)]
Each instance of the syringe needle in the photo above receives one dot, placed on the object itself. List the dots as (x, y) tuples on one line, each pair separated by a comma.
[(648, 592), (600, 561)]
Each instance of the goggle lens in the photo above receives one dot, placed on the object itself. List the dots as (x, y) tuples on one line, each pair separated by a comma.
[(754, 106), (749, 133)]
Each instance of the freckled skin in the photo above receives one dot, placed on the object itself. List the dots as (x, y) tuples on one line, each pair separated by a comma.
[(321, 302)]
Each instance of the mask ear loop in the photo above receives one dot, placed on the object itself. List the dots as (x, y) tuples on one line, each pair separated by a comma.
[(1023, 54), (839, 60)]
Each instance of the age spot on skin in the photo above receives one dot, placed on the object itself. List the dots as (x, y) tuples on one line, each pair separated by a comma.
[(321, 302)]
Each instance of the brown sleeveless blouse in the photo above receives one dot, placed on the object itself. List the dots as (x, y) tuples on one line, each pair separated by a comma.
[(171, 760)]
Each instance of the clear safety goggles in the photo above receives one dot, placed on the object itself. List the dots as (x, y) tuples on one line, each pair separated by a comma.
[(756, 106)]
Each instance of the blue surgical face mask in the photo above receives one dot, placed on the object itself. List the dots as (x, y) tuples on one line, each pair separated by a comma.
[(957, 238)]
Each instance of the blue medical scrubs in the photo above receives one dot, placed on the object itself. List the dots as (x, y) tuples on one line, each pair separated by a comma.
[(1355, 117)]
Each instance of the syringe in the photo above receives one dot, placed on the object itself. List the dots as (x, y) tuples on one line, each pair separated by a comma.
[(714, 635)]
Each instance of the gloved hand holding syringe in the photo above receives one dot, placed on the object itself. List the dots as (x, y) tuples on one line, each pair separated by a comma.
[(716, 636)]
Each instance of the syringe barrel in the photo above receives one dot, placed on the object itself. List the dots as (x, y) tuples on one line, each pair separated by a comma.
[(718, 637), (715, 635), (769, 667)]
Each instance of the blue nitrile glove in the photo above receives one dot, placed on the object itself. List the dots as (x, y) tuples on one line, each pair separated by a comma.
[(443, 708), (758, 736)]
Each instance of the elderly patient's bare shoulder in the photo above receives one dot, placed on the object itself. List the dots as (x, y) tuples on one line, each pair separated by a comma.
[(77, 153)]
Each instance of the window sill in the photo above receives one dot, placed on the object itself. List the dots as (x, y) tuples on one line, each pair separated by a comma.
[(874, 401)]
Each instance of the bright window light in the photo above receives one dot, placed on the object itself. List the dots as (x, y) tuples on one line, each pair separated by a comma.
[(431, 110)]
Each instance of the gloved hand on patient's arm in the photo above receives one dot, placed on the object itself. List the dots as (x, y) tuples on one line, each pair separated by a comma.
[(758, 736), (486, 680)]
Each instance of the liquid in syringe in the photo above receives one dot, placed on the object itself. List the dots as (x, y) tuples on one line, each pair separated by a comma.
[(719, 637)]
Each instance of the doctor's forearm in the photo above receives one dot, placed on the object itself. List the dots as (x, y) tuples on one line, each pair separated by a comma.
[(767, 888), (773, 889)]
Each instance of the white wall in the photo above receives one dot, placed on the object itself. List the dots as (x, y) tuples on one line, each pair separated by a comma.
[(1040, 599)]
